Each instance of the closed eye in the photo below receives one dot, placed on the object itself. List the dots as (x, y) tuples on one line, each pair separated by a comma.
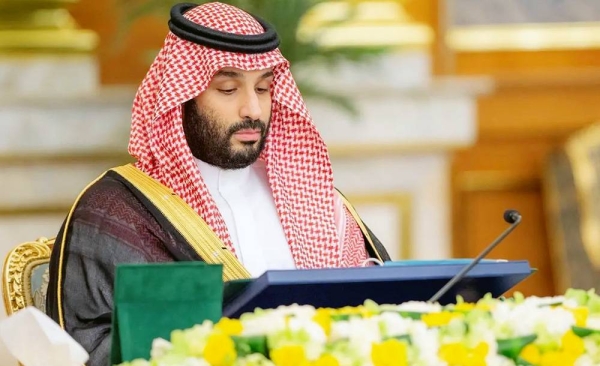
[(226, 91)]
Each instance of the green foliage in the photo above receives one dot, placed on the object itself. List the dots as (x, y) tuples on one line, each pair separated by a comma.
[(285, 16)]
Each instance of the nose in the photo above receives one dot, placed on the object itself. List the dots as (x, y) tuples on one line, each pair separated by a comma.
[(251, 107)]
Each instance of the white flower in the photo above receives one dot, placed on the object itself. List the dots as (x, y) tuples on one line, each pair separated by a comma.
[(300, 311), (193, 338), (316, 335), (584, 360), (498, 360), (160, 347), (340, 330), (426, 341), (525, 319), (392, 324), (492, 357), (261, 325), (190, 361), (351, 340), (593, 322), (570, 303), (557, 320), (362, 334), (255, 359), (512, 321), (414, 306), (543, 301), (592, 350), (314, 330)]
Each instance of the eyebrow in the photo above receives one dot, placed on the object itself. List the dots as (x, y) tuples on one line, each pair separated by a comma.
[(267, 74), (237, 75)]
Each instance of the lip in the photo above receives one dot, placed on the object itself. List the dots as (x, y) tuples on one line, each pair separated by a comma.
[(247, 135)]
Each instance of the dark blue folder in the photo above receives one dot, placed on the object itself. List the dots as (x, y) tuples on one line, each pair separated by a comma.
[(393, 283)]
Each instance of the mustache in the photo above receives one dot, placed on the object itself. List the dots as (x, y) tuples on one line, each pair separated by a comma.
[(256, 124)]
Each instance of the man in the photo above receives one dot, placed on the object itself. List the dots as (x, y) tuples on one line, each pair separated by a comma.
[(230, 170)]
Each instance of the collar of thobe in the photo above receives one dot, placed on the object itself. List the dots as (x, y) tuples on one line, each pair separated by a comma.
[(223, 179)]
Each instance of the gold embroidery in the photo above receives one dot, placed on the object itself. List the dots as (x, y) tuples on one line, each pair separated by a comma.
[(189, 224), (193, 227)]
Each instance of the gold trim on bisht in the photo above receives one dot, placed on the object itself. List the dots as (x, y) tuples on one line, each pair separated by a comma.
[(194, 229), (189, 224), (360, 224), (186, 221)]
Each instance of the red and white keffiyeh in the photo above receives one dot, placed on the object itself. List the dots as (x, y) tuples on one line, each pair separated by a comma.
[(298, 166)]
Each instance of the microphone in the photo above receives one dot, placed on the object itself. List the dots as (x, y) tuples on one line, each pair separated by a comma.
[(512, 217)]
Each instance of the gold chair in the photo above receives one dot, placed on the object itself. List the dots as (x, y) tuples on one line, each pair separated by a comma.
[(25, 275), (572, 202)]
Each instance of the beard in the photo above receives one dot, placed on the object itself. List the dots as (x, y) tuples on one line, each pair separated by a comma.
[(211, 142)]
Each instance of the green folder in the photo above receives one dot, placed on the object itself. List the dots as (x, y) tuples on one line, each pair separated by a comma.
[(152, 300)]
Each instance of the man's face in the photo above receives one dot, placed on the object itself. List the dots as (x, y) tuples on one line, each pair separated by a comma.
[(227, 125)]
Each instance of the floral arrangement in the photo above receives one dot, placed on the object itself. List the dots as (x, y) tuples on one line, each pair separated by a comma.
[(561, 330)]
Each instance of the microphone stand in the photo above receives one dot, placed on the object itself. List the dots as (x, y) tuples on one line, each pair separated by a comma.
[(512, 217)]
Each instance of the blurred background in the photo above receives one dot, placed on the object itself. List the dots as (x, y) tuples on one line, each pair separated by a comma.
[(439, 115)]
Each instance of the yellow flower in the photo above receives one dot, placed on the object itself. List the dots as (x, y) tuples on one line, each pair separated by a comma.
[(391, 352), (326, 360), (439, 319), (572, 347), (457, 354), (220, 350), (481, 350), (351, 310), (468, 306), (323, 318), (453, 353), (572, 344), (464, 306), (346, 310), (557, 358), (581, 314), (229, 326), (531, 354), (289, 356)]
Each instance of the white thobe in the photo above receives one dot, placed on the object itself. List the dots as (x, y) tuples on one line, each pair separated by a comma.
[(245, 201)]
